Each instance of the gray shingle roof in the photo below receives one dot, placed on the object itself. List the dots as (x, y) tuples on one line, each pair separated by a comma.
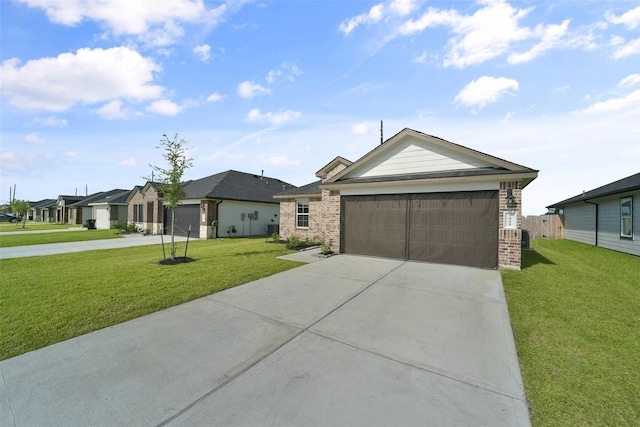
[(622, 185), (99, 197), (234, 185), (113, 197), (313, 188)]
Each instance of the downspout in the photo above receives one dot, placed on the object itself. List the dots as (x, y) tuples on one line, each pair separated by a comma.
[(596, 205), (218, 218)]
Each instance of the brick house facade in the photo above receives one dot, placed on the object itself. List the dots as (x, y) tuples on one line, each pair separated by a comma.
[(404, 166), (145, 208)]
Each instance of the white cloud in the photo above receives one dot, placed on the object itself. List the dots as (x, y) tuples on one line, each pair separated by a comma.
[(113, 110), (202, 52), (52, 121), (374, 15), (615, 104), (286, 71), (216, 97), (484, 35), (403, 7), (631, 48), (485, 90), (630, 81), (130, 163), (420, 59), (35, 138), (89, 76), (165, 107), (249, 90), (630, 19), (360, 128), (550, 37), (278, 118), (157, 23)]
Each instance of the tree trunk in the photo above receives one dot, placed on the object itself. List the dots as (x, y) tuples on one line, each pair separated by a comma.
[(173, 225)]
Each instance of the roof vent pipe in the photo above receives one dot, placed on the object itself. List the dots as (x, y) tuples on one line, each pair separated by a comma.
[(262, 174)]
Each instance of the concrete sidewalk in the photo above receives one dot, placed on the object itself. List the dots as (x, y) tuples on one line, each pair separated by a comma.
[(89, 245), (347, 340)]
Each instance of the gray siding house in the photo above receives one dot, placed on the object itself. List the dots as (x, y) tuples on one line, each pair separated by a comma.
[(608, 216)]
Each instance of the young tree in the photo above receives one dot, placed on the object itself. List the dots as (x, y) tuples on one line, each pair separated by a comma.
[(170, 179), (21, 207)]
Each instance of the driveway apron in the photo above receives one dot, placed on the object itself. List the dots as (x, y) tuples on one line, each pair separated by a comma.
[(347, 340)]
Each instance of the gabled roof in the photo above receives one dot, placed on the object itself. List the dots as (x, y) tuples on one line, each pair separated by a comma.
[(69, 199), (113, 197), (234, 185), (44, 203), (623, 185), (480, 165), (322, 173), (142, 189), (309, 190), (97, 197)]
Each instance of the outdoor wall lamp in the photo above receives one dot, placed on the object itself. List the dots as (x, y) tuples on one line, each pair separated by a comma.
[(511, 200)]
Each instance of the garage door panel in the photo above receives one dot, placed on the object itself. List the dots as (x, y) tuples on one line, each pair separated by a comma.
[(186, 215), (374, 225), (461, 228), (454, 228)]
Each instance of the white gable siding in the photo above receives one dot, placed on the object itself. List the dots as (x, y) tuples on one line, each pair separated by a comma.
[(609, 224), (415, 156), (580, 223)]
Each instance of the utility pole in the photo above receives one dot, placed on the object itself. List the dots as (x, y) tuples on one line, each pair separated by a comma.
[(381, 132)]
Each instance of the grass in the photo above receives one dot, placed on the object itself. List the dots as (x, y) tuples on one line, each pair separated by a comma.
[(35, 238), (49, 299), (575, 312), (34, 226)]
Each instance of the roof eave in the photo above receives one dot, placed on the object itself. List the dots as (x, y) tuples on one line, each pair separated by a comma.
[(526, 177)]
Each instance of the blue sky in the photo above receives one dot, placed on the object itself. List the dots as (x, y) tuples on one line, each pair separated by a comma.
[(89, 87)]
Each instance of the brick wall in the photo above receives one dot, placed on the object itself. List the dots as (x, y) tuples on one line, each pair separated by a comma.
[(152, 222), (509, 241)]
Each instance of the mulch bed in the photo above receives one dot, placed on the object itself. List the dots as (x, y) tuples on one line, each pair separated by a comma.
[(176, 260)]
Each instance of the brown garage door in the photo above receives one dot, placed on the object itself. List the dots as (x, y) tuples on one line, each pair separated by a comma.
[(186, 215), (453, 228)]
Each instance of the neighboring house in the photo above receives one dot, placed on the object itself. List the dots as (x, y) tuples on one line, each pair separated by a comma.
[(242, 204), (109, 208), (43, 210), (145, 207), (79, 212), (64, 215), (415, 197), (608, 216)]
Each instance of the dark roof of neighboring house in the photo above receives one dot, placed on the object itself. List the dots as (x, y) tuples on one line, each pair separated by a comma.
[(96, 197), (313, 188), (625, 184), (234, 185), (70, 199), (45, 203), (113, 197)]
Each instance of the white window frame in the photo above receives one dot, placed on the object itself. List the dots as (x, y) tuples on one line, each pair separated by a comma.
[(301, 212), (626, 218)]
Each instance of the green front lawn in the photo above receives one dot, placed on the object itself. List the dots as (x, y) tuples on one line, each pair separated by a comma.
[(35, 238), (34, 226), (575, 312), (49, 299)]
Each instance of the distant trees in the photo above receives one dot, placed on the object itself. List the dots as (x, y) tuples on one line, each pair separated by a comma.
[(170, 178)]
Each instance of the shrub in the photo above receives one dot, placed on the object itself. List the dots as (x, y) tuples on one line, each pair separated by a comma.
[(294, 242), (275, 237), (325, 247), (125, 227)]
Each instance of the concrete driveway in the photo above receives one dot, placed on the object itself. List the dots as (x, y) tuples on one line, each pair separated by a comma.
[(344, 341)]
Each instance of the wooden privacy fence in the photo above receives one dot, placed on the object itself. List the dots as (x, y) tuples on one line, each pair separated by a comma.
[(544, 226)]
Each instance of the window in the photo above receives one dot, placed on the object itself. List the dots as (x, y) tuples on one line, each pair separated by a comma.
[(137, 213), (302, 213), (626, 217)]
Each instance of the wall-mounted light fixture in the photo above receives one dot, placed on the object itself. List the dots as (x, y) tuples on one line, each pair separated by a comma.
[(511, 200)]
